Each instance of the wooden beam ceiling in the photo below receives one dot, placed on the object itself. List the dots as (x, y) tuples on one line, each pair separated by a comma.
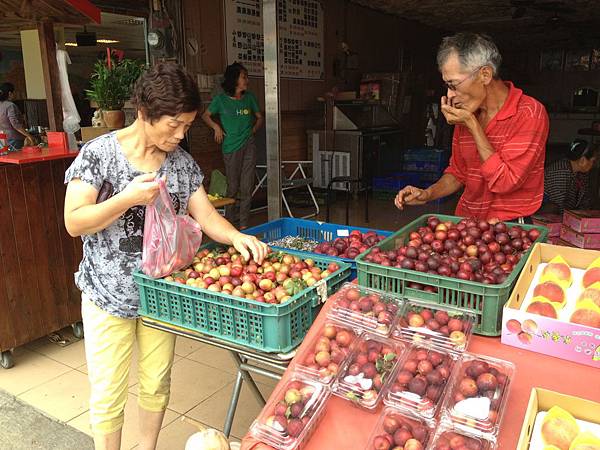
[(515, 22), (26, 14)]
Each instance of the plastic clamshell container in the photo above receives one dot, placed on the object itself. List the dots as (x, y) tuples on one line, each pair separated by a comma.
[(477, 395), (430, 326), (448, 437), (391, 421), (357, 306), (343, 340), (266, 428), (353, 384), (436, 373)]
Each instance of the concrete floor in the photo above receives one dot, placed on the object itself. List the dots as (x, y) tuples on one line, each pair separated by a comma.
[(23, 427)]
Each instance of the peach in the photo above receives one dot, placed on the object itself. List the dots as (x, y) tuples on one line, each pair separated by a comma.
[(557, 271), (513, 326), (413, 444), (530, 326), (542, 309), (458, 338), (455, 325), (559, 431), (381, 443), (587, 317), (525, 338), (550, 290), (329, 331), (416, 321), (468, 387), (487, 382), (390, 424), (592, 294), (591, 276)]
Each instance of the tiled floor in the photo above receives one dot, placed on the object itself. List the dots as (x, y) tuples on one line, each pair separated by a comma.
[(54, 380)]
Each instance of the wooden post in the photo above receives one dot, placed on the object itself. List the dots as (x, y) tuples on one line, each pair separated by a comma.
[(51, 79)]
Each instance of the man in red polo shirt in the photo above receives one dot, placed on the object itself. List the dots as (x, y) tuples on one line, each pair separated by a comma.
[(499, 142)]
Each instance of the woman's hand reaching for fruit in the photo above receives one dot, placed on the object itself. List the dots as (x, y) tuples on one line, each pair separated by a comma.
[(249, 246), (411, 196)]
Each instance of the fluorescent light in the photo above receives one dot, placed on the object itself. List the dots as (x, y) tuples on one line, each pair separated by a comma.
[(99, 41)]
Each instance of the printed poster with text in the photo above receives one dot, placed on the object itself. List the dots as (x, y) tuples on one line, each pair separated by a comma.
[(300, 37)]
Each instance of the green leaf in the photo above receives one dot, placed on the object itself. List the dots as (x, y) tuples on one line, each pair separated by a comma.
[(288, 412), (111, 88), (353, 396), (389, 357)]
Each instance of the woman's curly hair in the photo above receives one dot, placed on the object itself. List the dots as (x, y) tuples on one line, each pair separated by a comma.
[(166, 89), (231, 76)]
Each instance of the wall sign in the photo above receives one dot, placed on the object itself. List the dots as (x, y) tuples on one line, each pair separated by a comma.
[(300, 37)]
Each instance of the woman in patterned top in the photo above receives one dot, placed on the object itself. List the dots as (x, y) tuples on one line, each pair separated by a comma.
[(125, 164), (567, 181)]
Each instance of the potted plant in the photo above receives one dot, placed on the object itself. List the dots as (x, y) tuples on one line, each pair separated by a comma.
[(111, 86)]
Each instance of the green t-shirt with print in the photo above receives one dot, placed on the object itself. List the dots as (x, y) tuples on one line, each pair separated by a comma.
[(237, 118)]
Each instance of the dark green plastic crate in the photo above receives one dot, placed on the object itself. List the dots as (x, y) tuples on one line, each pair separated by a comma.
[(262, 326), (484, 300)]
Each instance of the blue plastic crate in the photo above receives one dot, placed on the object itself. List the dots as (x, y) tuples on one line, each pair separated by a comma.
[(424, 166), (432, 155), (309, 229), (399, 180)]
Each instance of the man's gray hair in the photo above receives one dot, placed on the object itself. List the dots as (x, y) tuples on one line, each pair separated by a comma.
[(473, 50)]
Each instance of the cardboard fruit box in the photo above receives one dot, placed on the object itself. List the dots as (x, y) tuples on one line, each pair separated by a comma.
[(582, 221), (550, 221), (581, 240), (553, 337), (542, 400)]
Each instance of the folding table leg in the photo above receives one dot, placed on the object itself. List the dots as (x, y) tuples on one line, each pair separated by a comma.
[(242, 375), (235, 396), (249, 380)]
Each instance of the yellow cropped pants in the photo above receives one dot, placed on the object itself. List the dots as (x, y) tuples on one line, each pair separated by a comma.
[(109, 344)]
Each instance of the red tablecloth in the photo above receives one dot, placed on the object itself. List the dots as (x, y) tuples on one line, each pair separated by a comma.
[(345, 426)]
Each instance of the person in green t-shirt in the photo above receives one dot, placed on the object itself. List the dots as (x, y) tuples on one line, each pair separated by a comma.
[(240, 117)]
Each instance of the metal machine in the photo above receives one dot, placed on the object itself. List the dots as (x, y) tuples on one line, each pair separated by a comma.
[(363, 141)]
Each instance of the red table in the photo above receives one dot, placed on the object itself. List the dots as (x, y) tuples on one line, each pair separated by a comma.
[(45, 154), (347, 427)]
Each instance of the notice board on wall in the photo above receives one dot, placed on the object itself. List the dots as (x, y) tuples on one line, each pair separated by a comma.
[(300, 37)]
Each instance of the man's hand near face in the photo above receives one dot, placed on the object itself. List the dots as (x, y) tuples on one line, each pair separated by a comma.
[(456, 116)]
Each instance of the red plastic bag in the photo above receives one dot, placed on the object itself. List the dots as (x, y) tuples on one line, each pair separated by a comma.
[(170, 240)]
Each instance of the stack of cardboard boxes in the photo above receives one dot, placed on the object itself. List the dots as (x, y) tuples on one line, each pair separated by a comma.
[(574, 229)]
